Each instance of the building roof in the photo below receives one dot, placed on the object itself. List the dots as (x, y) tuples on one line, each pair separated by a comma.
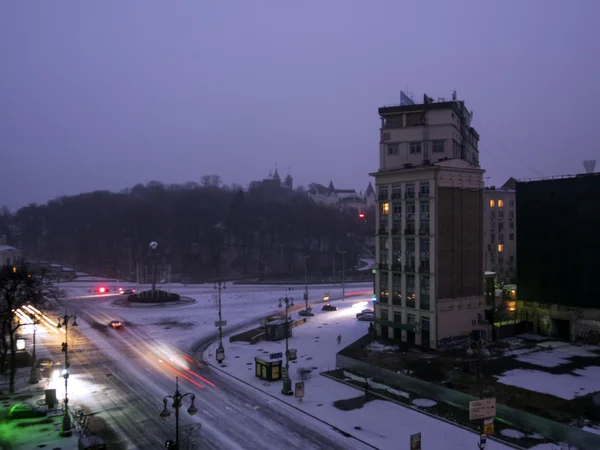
[(370, 190), (8, 248)]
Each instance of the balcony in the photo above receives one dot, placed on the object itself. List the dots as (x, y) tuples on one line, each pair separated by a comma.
[(424, 194), (396, 196), (382, 197), (382, 231), (424, 269), (382, 266), (396, 267), (409, 195), (424, 231), (409, 231), (409, 269), (395, 231)]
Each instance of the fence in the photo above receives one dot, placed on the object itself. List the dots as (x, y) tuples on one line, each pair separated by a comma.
[(523, 420)]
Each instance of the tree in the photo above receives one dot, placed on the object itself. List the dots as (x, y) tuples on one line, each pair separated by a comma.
[(18, 286)]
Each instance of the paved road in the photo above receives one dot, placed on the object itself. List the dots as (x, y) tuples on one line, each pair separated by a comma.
[(131, 383)]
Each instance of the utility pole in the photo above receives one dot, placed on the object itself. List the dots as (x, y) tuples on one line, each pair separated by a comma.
[(343, 253), (306, 282), (66, 423)]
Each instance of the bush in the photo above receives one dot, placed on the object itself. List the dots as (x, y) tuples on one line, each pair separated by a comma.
[(156, 296)]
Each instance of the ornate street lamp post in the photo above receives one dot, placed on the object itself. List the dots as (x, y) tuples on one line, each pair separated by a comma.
[(153, 260), (66, 423), (33, 378), (177, 398), (287, 383), (220, 285)]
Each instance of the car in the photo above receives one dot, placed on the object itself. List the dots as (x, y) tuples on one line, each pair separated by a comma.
[(117, 324), (364, 311), (306, 312), (102, 290), (126, 291), (367, 317), (329, 307)]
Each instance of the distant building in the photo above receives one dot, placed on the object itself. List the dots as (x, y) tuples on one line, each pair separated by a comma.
[(272, 186), (429, 283), (342, 199), (558, 251), (10, 255), (500, 231)]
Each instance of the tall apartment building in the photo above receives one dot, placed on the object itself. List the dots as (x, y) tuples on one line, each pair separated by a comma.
[(429, 253), (500, 232), (557, 251)]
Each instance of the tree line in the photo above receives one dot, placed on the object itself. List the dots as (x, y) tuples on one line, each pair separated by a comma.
[(204, 230)]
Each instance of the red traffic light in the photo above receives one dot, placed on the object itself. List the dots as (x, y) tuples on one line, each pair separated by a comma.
[(102, 290), (361, 215)]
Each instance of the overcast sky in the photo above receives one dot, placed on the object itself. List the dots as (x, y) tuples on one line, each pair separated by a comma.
[(107, 94)]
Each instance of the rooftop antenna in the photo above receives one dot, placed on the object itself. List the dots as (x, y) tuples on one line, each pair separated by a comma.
[(589, 165)]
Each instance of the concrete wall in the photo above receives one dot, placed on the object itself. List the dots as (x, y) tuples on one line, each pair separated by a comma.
[(528, 422)]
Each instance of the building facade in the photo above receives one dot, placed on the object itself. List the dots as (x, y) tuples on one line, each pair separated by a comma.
[(342, 199), (558, 247), (10, 256), (500, 232), (429, 255)]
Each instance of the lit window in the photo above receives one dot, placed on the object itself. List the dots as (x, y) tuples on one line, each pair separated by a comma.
[(500, 203), (385, 208), (492, 203), (500, 248)]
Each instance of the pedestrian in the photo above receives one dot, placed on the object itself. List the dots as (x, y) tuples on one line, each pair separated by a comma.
[(366, 387), (339, 339)]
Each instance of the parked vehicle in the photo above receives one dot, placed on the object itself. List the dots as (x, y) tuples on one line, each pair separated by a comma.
[(367, 317), (306, 313), (329, 307), (364, 311)]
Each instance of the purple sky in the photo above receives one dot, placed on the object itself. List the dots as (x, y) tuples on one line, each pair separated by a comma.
[(106, 94)]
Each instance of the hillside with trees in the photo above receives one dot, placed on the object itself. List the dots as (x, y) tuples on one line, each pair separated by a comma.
[(204, 230)]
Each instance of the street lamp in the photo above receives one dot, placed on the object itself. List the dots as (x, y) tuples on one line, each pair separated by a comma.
[(220, 285), (343, 253), (33, 378), (480, 346), (287, 383), (177, 398), (66, 423), (306, 282)]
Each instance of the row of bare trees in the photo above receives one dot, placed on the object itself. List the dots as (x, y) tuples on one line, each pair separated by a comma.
[(201, 228), (19, 286)]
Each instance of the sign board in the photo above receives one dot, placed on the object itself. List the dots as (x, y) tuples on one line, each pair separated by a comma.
[(220, 354), (276, 355), (292, 354), (221, 323), (488, 427), (306, 296), (482, 409), (20, 344), (299, 388), (415, 441)]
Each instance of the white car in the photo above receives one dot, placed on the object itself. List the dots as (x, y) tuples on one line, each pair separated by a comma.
[(367, 317), (364, 311)]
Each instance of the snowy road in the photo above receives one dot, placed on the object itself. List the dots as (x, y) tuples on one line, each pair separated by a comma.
[(129, 372)]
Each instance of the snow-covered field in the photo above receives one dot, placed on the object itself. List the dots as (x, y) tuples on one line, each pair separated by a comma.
[(384, 424)]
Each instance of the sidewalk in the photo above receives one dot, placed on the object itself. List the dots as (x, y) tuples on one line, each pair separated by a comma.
[(382, 424)]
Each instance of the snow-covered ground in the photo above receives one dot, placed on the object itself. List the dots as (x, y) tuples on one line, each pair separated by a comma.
[(383, 424)]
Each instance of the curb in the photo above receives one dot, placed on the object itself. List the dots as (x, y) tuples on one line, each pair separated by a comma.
[(333, 427), (440, 418)]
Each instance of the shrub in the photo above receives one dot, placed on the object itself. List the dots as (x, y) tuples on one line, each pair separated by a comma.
[(156, 296)]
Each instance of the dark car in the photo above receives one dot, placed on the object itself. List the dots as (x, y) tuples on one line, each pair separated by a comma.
[(306, 312), (126, 291), (117, 324), (329, 307)]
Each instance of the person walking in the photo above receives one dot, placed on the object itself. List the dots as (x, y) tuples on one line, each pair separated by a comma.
[(339, 339)]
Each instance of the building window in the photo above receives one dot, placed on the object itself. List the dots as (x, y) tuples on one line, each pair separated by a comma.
[(500, 227), (424, 255), (383, 250), (511, 214), (511, 225), (385, 209), (511, 237), (424, 189), (383, 287), (410, 217), (492, 203), (501, 238), (383, 313), (500, 203), (493, 215), (410, 255), (383, 193), (415, 147), (501, 214), (398, 317), (500, 248), (396, 191), (511, 203), (397, 289), (393, 149), (511, 259), (396, 254), (410, 190), (410, 291), (397, 216), (438, 147), (425, 331), (424, 218), (424, 294), (492, 238)]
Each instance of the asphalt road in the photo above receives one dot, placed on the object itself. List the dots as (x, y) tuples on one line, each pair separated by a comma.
[(131, 384)]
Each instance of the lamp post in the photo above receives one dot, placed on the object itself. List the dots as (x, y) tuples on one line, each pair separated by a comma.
[(153, 257), (480, 346), (66, 423), (286, 389), (220, 285), (177, 398), (343, 253), (33, 378), (306, 282)]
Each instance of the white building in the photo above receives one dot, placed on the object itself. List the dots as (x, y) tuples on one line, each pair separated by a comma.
[(10, 255)]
